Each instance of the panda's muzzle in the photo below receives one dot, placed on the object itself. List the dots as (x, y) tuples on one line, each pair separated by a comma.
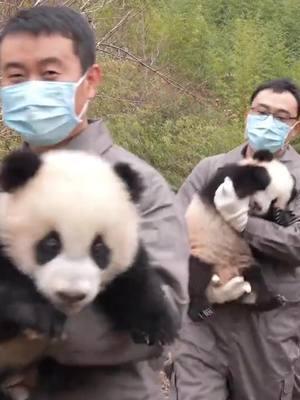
[(71, 297)]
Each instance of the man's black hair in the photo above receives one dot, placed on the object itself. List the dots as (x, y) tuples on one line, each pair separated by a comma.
[(51, 20), (279, 86)]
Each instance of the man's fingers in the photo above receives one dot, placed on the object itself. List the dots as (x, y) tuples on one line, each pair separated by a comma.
[(231, 291)]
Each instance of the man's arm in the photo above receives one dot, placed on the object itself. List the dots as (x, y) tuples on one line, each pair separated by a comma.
[(275, 241), (164, 235), (91, 340), (194, 182)]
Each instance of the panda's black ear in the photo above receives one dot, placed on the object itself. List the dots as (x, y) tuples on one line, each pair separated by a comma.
[(17, 168), (263, 155), (132, 180)]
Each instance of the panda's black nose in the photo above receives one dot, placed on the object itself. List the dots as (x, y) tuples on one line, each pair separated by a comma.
[(70, 296)]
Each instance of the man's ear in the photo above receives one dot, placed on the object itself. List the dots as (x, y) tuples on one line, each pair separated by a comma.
[(94, 77), (294, 133)]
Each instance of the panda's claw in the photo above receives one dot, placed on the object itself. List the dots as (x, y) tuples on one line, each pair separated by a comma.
[(284, 217), (281, 300), (140, 337)]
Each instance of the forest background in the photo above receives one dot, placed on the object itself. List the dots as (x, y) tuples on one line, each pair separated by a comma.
[(178, 74)]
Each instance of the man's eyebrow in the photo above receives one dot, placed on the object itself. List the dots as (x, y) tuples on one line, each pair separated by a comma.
[(282, 110), (13, 64), (50, 60)]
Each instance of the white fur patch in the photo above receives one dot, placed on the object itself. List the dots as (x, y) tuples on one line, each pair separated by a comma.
[(66, 275), (280, 188), (79, 196)]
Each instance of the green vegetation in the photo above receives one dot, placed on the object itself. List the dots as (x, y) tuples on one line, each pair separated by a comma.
[(214, 52)]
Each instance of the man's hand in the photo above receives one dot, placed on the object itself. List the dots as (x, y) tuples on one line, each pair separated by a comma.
[(230, 291), (232, 209)]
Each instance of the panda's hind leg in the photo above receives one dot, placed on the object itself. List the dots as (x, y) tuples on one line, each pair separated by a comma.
[(200, 275), (261, 298)]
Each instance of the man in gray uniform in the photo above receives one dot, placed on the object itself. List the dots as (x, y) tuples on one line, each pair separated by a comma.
[(49, 75), (237, 354)]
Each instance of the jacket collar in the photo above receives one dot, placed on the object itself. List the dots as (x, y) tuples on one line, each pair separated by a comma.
[(95, 138), (238, 153)]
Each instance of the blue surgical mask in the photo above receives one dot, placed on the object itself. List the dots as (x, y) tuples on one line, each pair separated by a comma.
[(42, 112), (266, 133)]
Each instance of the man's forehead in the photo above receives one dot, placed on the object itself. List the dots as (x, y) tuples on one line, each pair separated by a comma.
[(23, 47), (276, 101)]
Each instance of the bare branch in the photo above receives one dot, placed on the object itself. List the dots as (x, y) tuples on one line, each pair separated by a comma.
[(84, 5), (38, 3), (131, 56), (110, 33)]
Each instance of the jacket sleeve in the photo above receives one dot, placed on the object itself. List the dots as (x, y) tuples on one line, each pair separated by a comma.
[(279, 243), (164, 235), (194, 182), (91, 339)]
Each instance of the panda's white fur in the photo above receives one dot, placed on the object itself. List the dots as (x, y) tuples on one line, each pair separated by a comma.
[(79, 197), (212, 239), (280, 188)]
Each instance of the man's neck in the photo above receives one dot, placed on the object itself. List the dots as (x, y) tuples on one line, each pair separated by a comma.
[(250, 152)]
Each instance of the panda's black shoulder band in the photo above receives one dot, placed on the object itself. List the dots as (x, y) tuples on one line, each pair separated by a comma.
[(17, 168)]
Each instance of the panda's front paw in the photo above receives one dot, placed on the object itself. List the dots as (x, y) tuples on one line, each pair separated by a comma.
[(35, 320), (157, 330), (49, 322)]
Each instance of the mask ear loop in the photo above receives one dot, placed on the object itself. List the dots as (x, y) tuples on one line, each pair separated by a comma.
[(86, 104), (84, 109), (286, 142)]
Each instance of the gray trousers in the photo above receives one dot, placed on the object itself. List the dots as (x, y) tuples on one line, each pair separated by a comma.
[(239, 355)]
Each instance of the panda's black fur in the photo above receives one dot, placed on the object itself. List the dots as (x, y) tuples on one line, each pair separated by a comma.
[(134, 301), (247, 180), (24, 313)]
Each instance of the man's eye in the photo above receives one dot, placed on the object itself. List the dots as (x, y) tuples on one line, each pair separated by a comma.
[(282, 119), (16, 78), (50, 74), (15, 75), (262, 113)]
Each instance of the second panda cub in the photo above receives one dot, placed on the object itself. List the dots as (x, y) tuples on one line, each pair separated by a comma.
[(216, 248)]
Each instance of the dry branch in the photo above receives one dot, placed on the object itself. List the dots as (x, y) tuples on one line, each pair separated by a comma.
[(134, 58), (110, 33)]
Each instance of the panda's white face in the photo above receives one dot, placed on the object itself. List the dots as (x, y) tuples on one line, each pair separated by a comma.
[(72, 228), (278, 192)]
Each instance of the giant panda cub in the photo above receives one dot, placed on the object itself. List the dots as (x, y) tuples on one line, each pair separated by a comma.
[(70, 237), (216, 248)]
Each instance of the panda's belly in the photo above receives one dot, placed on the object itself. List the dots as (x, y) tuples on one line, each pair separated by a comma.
[(21, 352), (212, 240)]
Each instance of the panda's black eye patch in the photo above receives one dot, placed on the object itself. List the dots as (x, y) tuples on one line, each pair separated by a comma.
[(48, 248), (100, 252)]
